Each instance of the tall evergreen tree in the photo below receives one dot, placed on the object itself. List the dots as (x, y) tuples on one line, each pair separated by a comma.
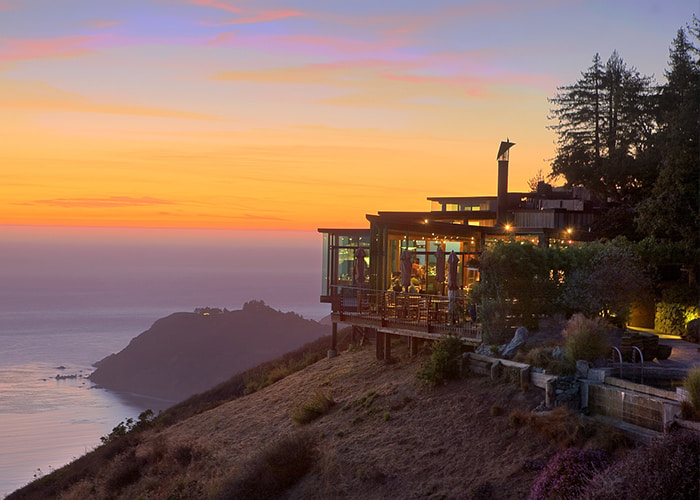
[(604, 128), (673, 209)]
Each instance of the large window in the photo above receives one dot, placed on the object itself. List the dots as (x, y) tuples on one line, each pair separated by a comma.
[(424, 261), (339, 264)]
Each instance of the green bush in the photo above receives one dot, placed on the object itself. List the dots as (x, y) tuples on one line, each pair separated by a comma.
[(443, 364), (319, 404), (671, 317), (691, 383), (586, 339)]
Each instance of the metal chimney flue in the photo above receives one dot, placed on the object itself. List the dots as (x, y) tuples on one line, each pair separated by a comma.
[(502, 202)]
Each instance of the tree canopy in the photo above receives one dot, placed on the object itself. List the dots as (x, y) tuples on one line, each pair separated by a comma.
[(635, 144)]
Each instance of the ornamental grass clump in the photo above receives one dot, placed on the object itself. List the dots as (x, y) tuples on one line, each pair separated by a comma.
[(691, 383), (586, 338), (319, 404)]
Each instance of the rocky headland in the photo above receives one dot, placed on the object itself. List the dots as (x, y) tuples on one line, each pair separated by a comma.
[(187, 353)]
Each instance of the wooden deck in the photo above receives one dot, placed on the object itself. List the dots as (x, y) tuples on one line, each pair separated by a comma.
[(415, 316)]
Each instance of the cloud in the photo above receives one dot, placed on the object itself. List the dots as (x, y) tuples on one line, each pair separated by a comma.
[(44, 48), (341, 73), (371, 83), (222, 38), (259, 17), (218, 5), (107, 202), (102, 23), (246, 17), (38, 96)]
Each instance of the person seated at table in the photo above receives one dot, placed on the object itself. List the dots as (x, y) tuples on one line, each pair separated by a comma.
[(396, 285), (415, 286), (395, 282)]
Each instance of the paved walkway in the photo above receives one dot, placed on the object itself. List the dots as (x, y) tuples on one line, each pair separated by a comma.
[(683, 354)]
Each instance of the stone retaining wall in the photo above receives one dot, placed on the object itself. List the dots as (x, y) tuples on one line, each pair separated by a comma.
[(625, 401)]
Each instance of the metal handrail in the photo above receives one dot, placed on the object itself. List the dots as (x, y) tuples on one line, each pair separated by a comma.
[(615, 349), (641, 367), (403, 308)]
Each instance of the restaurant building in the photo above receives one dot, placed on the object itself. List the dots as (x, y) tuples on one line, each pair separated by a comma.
[(370, 282)]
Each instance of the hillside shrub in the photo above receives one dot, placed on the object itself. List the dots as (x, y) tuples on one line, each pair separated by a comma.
[(567, 473), (586, 339), (443, 364), (668, 468), (542, 356), (319, 404), (278, 467)]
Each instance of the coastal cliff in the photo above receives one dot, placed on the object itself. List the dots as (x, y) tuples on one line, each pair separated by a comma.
[(187, 353)]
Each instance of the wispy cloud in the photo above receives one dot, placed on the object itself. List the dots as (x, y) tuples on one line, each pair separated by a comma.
[(44, 48), (244, 16), (37, 96), (102, 23), (371, 83), (106, 202), (218, 5)]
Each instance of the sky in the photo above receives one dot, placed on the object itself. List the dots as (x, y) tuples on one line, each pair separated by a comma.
[(289, 114)]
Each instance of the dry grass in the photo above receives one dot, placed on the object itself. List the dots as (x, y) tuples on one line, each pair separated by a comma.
[(566, 428), (392, 439), (273, 470), (691, 383), (318, 405)]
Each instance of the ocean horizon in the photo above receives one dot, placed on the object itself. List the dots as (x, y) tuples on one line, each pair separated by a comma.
[(68, 302)]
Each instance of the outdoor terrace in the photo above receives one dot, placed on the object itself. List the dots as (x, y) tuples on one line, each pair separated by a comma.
[(415, 316)]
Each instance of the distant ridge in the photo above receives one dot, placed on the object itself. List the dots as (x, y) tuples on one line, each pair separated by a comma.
[(187, 353)]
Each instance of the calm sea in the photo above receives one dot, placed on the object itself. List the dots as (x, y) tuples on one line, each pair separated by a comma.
[(71, 297)]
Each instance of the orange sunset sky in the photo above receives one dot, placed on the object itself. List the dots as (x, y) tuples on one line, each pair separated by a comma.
[(289, 114)]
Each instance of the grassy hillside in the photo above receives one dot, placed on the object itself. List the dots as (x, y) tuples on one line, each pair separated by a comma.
[(375, 432)]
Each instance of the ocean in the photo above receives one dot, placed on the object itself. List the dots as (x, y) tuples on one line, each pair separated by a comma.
[(70, 297)]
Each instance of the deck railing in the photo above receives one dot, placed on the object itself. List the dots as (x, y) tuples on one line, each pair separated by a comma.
[(409, 311)]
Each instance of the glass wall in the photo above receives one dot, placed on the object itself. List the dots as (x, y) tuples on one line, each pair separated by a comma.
[(339, 264), (424, 261)]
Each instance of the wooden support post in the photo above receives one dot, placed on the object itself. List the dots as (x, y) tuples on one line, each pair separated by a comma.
[(387, 346), (380, 345), (496, 369), (334, 341), (413, 343)]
